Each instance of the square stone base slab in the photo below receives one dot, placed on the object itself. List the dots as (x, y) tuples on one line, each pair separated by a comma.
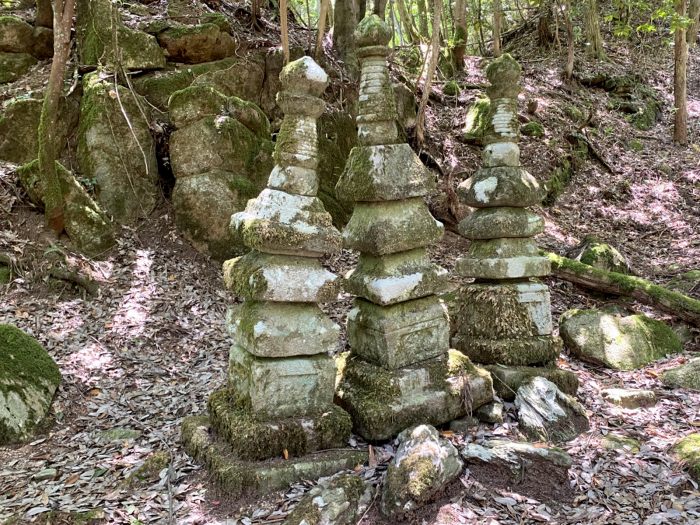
[(507, 379), (383, 402), (237, 477), (253, 439), (515, 351)]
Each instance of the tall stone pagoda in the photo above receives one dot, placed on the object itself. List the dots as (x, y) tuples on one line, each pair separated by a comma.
[(400, 371), (275, 421)]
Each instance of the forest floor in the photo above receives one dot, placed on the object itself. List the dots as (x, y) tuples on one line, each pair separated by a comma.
[(148, 349)]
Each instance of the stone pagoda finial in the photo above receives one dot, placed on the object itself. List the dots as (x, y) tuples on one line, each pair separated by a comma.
[(398, 372), (281, 381), (505, 317)]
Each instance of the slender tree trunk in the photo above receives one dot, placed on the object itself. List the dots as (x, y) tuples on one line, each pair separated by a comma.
[(380, 8), (432, 61), (406, 22), (544, 24), (680, 77), (44, 14), (595, 40), (694, 15), (460, 47), (565, 8), (497, 15), (423, 19), (322, 16), (480, 25), (346, 15), (284, 30), (48, 141)]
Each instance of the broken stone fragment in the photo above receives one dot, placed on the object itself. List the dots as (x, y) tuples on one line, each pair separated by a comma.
[(687, 451), (277, 388), (629, 397), (423, 465), (490, 412), (492, 223), (395, 278), (268, 329), (501, 186), (381, 228), (398, 335), (507, 379), (264, 277), (545, 413), (384, 173)]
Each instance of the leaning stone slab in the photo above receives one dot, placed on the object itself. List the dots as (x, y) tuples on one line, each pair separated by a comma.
[(545, 413), (629, 397), (282, 387), (384, 173), (535, 470), (238, 477), (395, 278), (268, 329), (507, 379), (383, 402), (684, 376), (254, 439), (493, 223), (265, 277), (28, 381), (622, 343), (423, 465), (398, 335), (501, 186), (511, 268), (538, 350), (381, 228)]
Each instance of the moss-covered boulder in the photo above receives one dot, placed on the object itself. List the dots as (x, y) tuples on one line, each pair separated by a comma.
[(103, 39), (532, 129), (85, 222), (196, 44), (15, 35), (477, 121), (19, 121), (622, 343), (687, 451), (684, 376), (601, 255), (14, 65), (116, 149), (28, 380)]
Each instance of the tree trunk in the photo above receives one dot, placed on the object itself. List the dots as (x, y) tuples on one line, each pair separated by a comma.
[(44, 14), (345, 18), (460, 47), (47, 139), (666, 300), (406, 22), (694, 15), (423, 19), (680, 79), (284, 30), (545, 37), (432, 59), (566, 13), (497, 16), (380, 8), (322, 15), (595, 40)]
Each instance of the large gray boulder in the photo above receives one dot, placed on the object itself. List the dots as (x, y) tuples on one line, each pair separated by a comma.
[(116, 149), (614, 341), (424, 463), (28, 380)]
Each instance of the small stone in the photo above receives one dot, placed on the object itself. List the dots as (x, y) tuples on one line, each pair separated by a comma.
[(464, 424), (545, 413), (684, 376), (492, 223), (618, 442), (629, 397), (502, 186), (507, 379), (603, 256), (304, 76), (424, 464), (504, 75), (490, 413), (46, 474)]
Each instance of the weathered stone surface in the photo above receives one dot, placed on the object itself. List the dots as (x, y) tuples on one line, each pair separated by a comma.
[(687, 451), (510, 268), (283, 223), (28, 381), (537, 471), (384, 173), (623, 343), (339, 500), (15, 35), (337, 136), (518, 351), (464, 424), (388, 227), (196, 44), (545, 413), (395, 278), (268, 329), (238, 477), (501, 154), (684, 376), (629, 397), (230, 81), (504, 75), (618, 442), (203, 207), (399, 335), (477, 121), (263, 277), (119, 155), (14, 65), (504, 248), (492, 223), (490, 412), (252, 438), (507, 379), (501, 186), (190, 104), (282, 387), (86, 224), (602, 255), (424, 463), (383, 402), (97, 43)]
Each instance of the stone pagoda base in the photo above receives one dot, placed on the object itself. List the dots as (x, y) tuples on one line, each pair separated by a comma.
[(383, 402)]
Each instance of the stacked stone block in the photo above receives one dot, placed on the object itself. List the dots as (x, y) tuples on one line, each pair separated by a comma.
[(399, 371), (278, 402), (505, 315)]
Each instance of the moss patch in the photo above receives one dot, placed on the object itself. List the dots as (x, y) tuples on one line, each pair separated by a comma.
[(687, 450), (451, 88), (477, 121), (533, 129), (149, 471)]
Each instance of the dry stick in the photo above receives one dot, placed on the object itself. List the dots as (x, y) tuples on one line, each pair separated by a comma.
[(432, 59), (284, 30)]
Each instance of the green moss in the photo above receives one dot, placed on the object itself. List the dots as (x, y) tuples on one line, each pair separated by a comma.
[(533, 129), (558, 182), (149, 471), (493, 312), (687, 450), (636, 145), (573, 112), (601, 255), (477, 120), (411, 480), (451, 88), (5, 274)]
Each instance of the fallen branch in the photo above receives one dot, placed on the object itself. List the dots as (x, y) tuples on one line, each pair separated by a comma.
[(663, 299), (90, 286)]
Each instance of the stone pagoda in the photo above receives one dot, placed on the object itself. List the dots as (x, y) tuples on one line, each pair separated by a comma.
[(275, 421), (505, 316), (399, 372)]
